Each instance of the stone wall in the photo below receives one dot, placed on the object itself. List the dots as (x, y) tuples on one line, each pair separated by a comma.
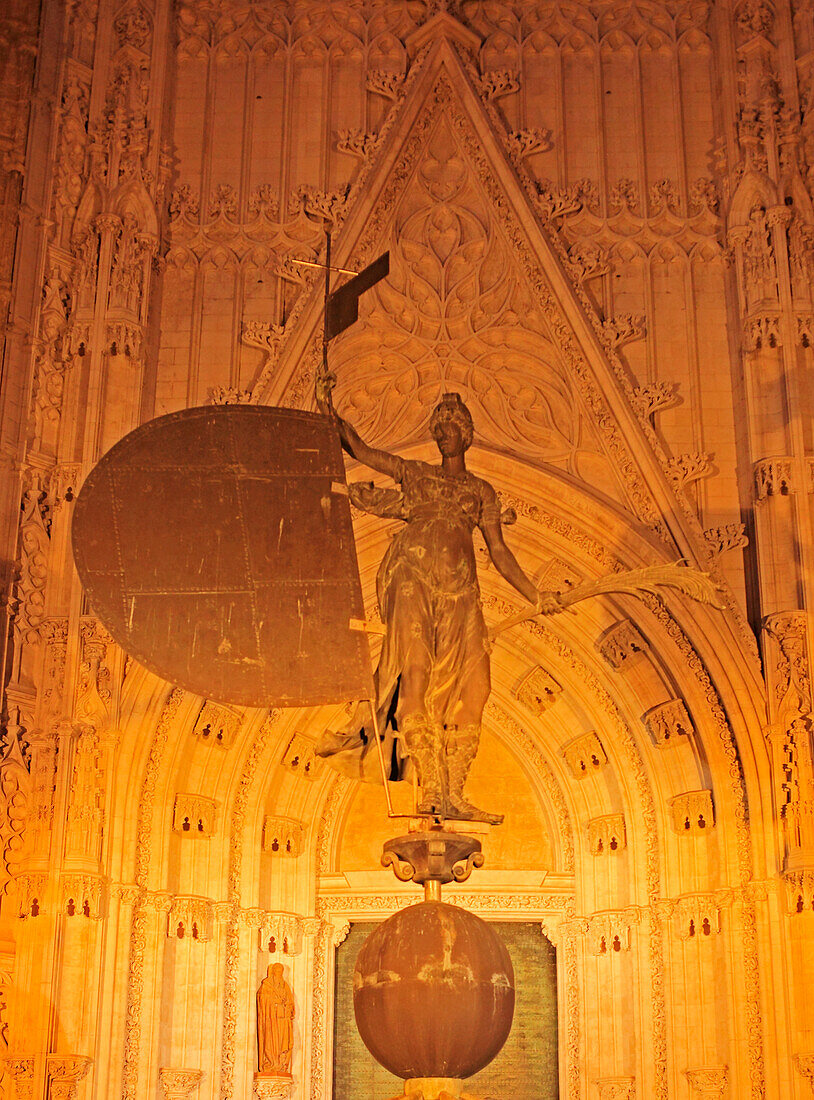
[(600, 225)]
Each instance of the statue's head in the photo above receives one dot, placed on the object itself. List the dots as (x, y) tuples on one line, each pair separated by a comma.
[(275, 971), (451, 409)]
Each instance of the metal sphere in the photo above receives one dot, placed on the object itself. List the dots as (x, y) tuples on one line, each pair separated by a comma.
[(433, 992)]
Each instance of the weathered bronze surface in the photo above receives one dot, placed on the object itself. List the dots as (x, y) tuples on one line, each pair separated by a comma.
[(433, 677), (216, 546), (433, 992)]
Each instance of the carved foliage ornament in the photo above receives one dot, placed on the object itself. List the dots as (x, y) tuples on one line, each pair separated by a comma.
[(461, 315), (65, 1072), (179, 1084), (707, 1083), (791, 669), (15, 800), (34, 548)]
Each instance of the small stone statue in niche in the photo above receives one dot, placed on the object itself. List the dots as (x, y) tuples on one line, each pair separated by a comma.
[(275, 1024), (433, 676)]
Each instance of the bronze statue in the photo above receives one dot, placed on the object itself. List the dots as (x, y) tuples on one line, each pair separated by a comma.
[(433, 678), (275, 1023)]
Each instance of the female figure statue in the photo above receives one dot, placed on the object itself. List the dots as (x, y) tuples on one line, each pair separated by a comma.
[(275, 1023), (433, 677)]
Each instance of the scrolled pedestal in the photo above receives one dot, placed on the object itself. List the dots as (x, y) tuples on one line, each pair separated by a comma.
[(433, 857), (268, 1086)]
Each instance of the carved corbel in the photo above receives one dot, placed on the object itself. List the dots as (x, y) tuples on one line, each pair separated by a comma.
[(692, 813), (607, 834), (538, 690), (194, 815), (799, 890), (585, 755), (804, 1064), (21, 1071), (179, 1084), (668, 722), (697, 916), (621, 642), (300, 759), (65, 1071), (272, 1088), (340, 932), (190, 917), (772, 478), (282, 836), (707, 1083), (217, 724), (609, 933)]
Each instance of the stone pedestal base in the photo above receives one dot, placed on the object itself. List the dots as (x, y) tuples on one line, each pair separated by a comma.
[(267, 1086), (434, 1088)]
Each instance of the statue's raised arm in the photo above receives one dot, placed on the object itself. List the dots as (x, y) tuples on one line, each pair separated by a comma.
[(353, 443)]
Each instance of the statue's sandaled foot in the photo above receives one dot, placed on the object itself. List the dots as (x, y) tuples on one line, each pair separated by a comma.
[(465, 811), (331, 743)]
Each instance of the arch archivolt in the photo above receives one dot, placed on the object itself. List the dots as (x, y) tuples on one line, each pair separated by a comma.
[(640, 893)]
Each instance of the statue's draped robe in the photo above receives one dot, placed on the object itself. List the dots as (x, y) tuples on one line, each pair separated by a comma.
[(275, 1027), (428, 597)]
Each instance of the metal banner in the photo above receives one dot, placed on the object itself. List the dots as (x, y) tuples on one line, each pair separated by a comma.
[(216, 546)]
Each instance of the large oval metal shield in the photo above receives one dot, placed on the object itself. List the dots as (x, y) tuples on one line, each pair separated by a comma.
[(215, 544)]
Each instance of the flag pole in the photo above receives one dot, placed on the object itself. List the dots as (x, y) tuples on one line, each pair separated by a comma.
[(325, 373), (325, 337)]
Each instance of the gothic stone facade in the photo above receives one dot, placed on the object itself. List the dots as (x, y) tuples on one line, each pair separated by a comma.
[(599, 215)]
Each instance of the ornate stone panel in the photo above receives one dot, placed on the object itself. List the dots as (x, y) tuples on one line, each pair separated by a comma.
[(193, 815), (585, 755)]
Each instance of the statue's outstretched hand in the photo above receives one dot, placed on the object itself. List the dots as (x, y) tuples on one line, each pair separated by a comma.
[(549, 603), (323, 390)]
